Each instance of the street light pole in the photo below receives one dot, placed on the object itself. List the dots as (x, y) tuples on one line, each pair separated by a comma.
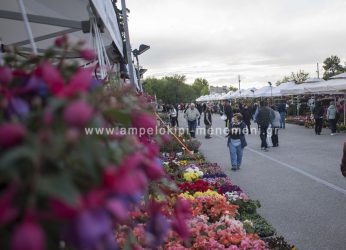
[(271, 91), (128, 44)]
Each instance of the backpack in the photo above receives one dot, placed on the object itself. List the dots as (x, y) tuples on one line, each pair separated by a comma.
[(263, 118)]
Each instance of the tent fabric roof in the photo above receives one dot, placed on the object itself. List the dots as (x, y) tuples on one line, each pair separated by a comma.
[(342, 76), (74, 10)]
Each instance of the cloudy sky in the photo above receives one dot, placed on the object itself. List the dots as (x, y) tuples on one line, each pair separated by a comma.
[(262, 40)]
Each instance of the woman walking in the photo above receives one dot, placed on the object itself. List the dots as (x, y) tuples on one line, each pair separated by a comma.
[(318, 116), (207, 121), (236, 140), (275, 127), (173, 115), (331, 116)]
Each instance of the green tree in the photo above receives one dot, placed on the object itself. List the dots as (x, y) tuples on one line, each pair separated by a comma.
[(300, 76), (283, 80), (205, 91), (170, 89), (233, 89), (332, 67), (199, 84)]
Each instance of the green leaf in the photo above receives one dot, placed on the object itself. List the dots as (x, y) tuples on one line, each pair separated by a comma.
[(59, 186), (118, 116), (12, 157)]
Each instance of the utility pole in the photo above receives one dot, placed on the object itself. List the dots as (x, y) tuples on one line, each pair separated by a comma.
[(318, 71), (239, 85), (128, 44)]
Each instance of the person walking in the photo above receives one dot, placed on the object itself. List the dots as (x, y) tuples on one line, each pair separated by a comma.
[(200, 110), (282, 111), (263, 118), (177, 118), (236, 141), (247, 115), (228, 112), (173, 116), (343, 162), (207, 121), (275, 127), (331, 116), (318, 116), (192, 115)]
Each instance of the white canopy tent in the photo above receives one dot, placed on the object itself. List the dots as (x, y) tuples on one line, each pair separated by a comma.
[(277, 91), (248, 93), (264, 92), (300, 89), (49, 19)]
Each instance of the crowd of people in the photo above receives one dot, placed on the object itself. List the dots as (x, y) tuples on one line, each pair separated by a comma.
[(238, 118)]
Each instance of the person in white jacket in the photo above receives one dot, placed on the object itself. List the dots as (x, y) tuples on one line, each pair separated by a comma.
[(191, 115), (275, 124)]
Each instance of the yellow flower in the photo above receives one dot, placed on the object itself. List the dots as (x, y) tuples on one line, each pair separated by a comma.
[(208, 193), (186, 196)]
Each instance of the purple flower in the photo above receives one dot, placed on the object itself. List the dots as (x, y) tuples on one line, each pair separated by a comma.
[(18, 107), (38, 86), (157, 226), (11, 135), (95, 83), (91, 230)]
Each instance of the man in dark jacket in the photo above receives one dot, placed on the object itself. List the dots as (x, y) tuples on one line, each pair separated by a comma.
[(283, 112), (264, 117), (200, 110), (318, 116), (228, 112), (247, 114), (207, 121)]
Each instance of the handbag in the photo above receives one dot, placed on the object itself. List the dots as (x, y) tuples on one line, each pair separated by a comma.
[(243, 141), (223, 117)]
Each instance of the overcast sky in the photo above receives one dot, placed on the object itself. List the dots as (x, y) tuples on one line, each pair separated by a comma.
[(262, 40)]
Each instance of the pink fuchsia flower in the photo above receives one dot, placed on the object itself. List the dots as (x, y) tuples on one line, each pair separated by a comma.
[(154, 169), (28, 235), (61, 210), (11, 135), (118, 209), (78, 114), (61, 41), (48, 117), (52, 77), (6, 75), (182, 213), (79, 83), (7, 212), (128, 178), (88, 54), (143, 120), (72, 135)]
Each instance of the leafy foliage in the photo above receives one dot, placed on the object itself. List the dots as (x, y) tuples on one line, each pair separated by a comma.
[(174, 89), (332, 67)]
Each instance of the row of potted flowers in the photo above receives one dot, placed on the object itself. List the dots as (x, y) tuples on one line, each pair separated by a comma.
[(223, 216)]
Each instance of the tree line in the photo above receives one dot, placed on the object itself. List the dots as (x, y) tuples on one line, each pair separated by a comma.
[(174, 89), (332, 66)]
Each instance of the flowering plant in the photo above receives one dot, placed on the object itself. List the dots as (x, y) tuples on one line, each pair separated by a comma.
[(195, 186), (57, 181), (192, 173)]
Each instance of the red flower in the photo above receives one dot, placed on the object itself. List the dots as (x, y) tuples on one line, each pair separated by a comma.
[(11, 135), (7, 213), (28, 236), (6, 75), (88, 54), (78, 114), (61, 41), (52, 77)]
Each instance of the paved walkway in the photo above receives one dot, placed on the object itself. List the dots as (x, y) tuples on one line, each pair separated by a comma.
[(299, 184)]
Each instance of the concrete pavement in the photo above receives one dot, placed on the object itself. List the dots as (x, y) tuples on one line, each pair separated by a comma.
[(299, 184)]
